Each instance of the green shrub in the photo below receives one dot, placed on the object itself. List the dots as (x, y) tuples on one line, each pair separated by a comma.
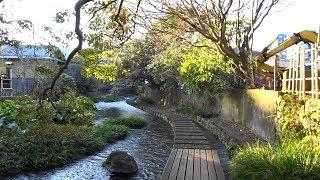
[(52, 145), (73, 109), (206, 70), (190, 110), (289, 160), (66, 83), (131, 122), (290, 108), (69, 109), (22, 111), (298, 118)]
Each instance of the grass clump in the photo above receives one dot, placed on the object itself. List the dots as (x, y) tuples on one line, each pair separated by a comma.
[(51, 145), (131, 121), (190, 110), (289, 160)]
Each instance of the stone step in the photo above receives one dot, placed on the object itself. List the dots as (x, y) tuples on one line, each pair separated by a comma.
[(189, 129), (183, 133), (183, 120), (193, 127), (179, 123), (191, 137), (176, 122), (188, 141), (185, 126)]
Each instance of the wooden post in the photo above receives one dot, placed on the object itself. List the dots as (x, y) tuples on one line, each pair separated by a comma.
[(316, 73), (275, 74), (294, 75), (284, 81), (312, 76), (303, 76), (290, 76), (297, 74), (300, 59)]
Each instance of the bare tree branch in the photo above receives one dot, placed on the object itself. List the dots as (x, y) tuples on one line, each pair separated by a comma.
[(224, 22)]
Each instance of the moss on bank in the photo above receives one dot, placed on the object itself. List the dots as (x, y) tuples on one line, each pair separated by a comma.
[(131, 121)]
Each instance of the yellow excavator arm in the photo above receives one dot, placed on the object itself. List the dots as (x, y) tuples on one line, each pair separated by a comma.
[(304, 36)]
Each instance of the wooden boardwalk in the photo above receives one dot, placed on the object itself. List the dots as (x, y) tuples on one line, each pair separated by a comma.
[(192, 157), (193, 164), (187, 135)]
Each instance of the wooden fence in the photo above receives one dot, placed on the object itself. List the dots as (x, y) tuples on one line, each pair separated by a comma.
[(302, 76)]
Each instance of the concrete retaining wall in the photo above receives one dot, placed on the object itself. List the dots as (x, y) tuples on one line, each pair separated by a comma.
[(255, 109)]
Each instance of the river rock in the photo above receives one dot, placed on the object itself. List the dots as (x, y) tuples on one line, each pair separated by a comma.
[(121, 162)]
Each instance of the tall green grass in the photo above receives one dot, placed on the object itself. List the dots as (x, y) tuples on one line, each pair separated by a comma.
[(289, 160)]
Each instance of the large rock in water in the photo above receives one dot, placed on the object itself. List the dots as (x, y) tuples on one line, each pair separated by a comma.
[(121, 162)]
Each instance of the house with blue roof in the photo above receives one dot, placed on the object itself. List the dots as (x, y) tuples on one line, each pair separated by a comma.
[(18, 67)]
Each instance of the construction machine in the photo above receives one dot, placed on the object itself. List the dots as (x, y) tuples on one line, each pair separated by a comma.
[(303, 36)]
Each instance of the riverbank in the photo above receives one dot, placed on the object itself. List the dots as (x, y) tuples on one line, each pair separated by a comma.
[(49, 146), (43, 146), (150, 147)]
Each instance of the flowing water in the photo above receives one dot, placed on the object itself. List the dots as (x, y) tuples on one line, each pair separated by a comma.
[(150, 147)]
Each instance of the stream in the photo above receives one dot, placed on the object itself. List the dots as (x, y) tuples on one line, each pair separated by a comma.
[(150, 147)]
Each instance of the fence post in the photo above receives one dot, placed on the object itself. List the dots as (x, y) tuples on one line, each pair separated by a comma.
[(275, 74)]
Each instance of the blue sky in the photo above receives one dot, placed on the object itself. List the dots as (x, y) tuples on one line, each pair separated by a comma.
[(297, 16)]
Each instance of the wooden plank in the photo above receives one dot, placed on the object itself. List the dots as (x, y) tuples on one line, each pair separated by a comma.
[(196, 164), (217, 165), (175, 166), (189, 170), (183, 164), (167, 168), (203, 165), (211, 168)]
